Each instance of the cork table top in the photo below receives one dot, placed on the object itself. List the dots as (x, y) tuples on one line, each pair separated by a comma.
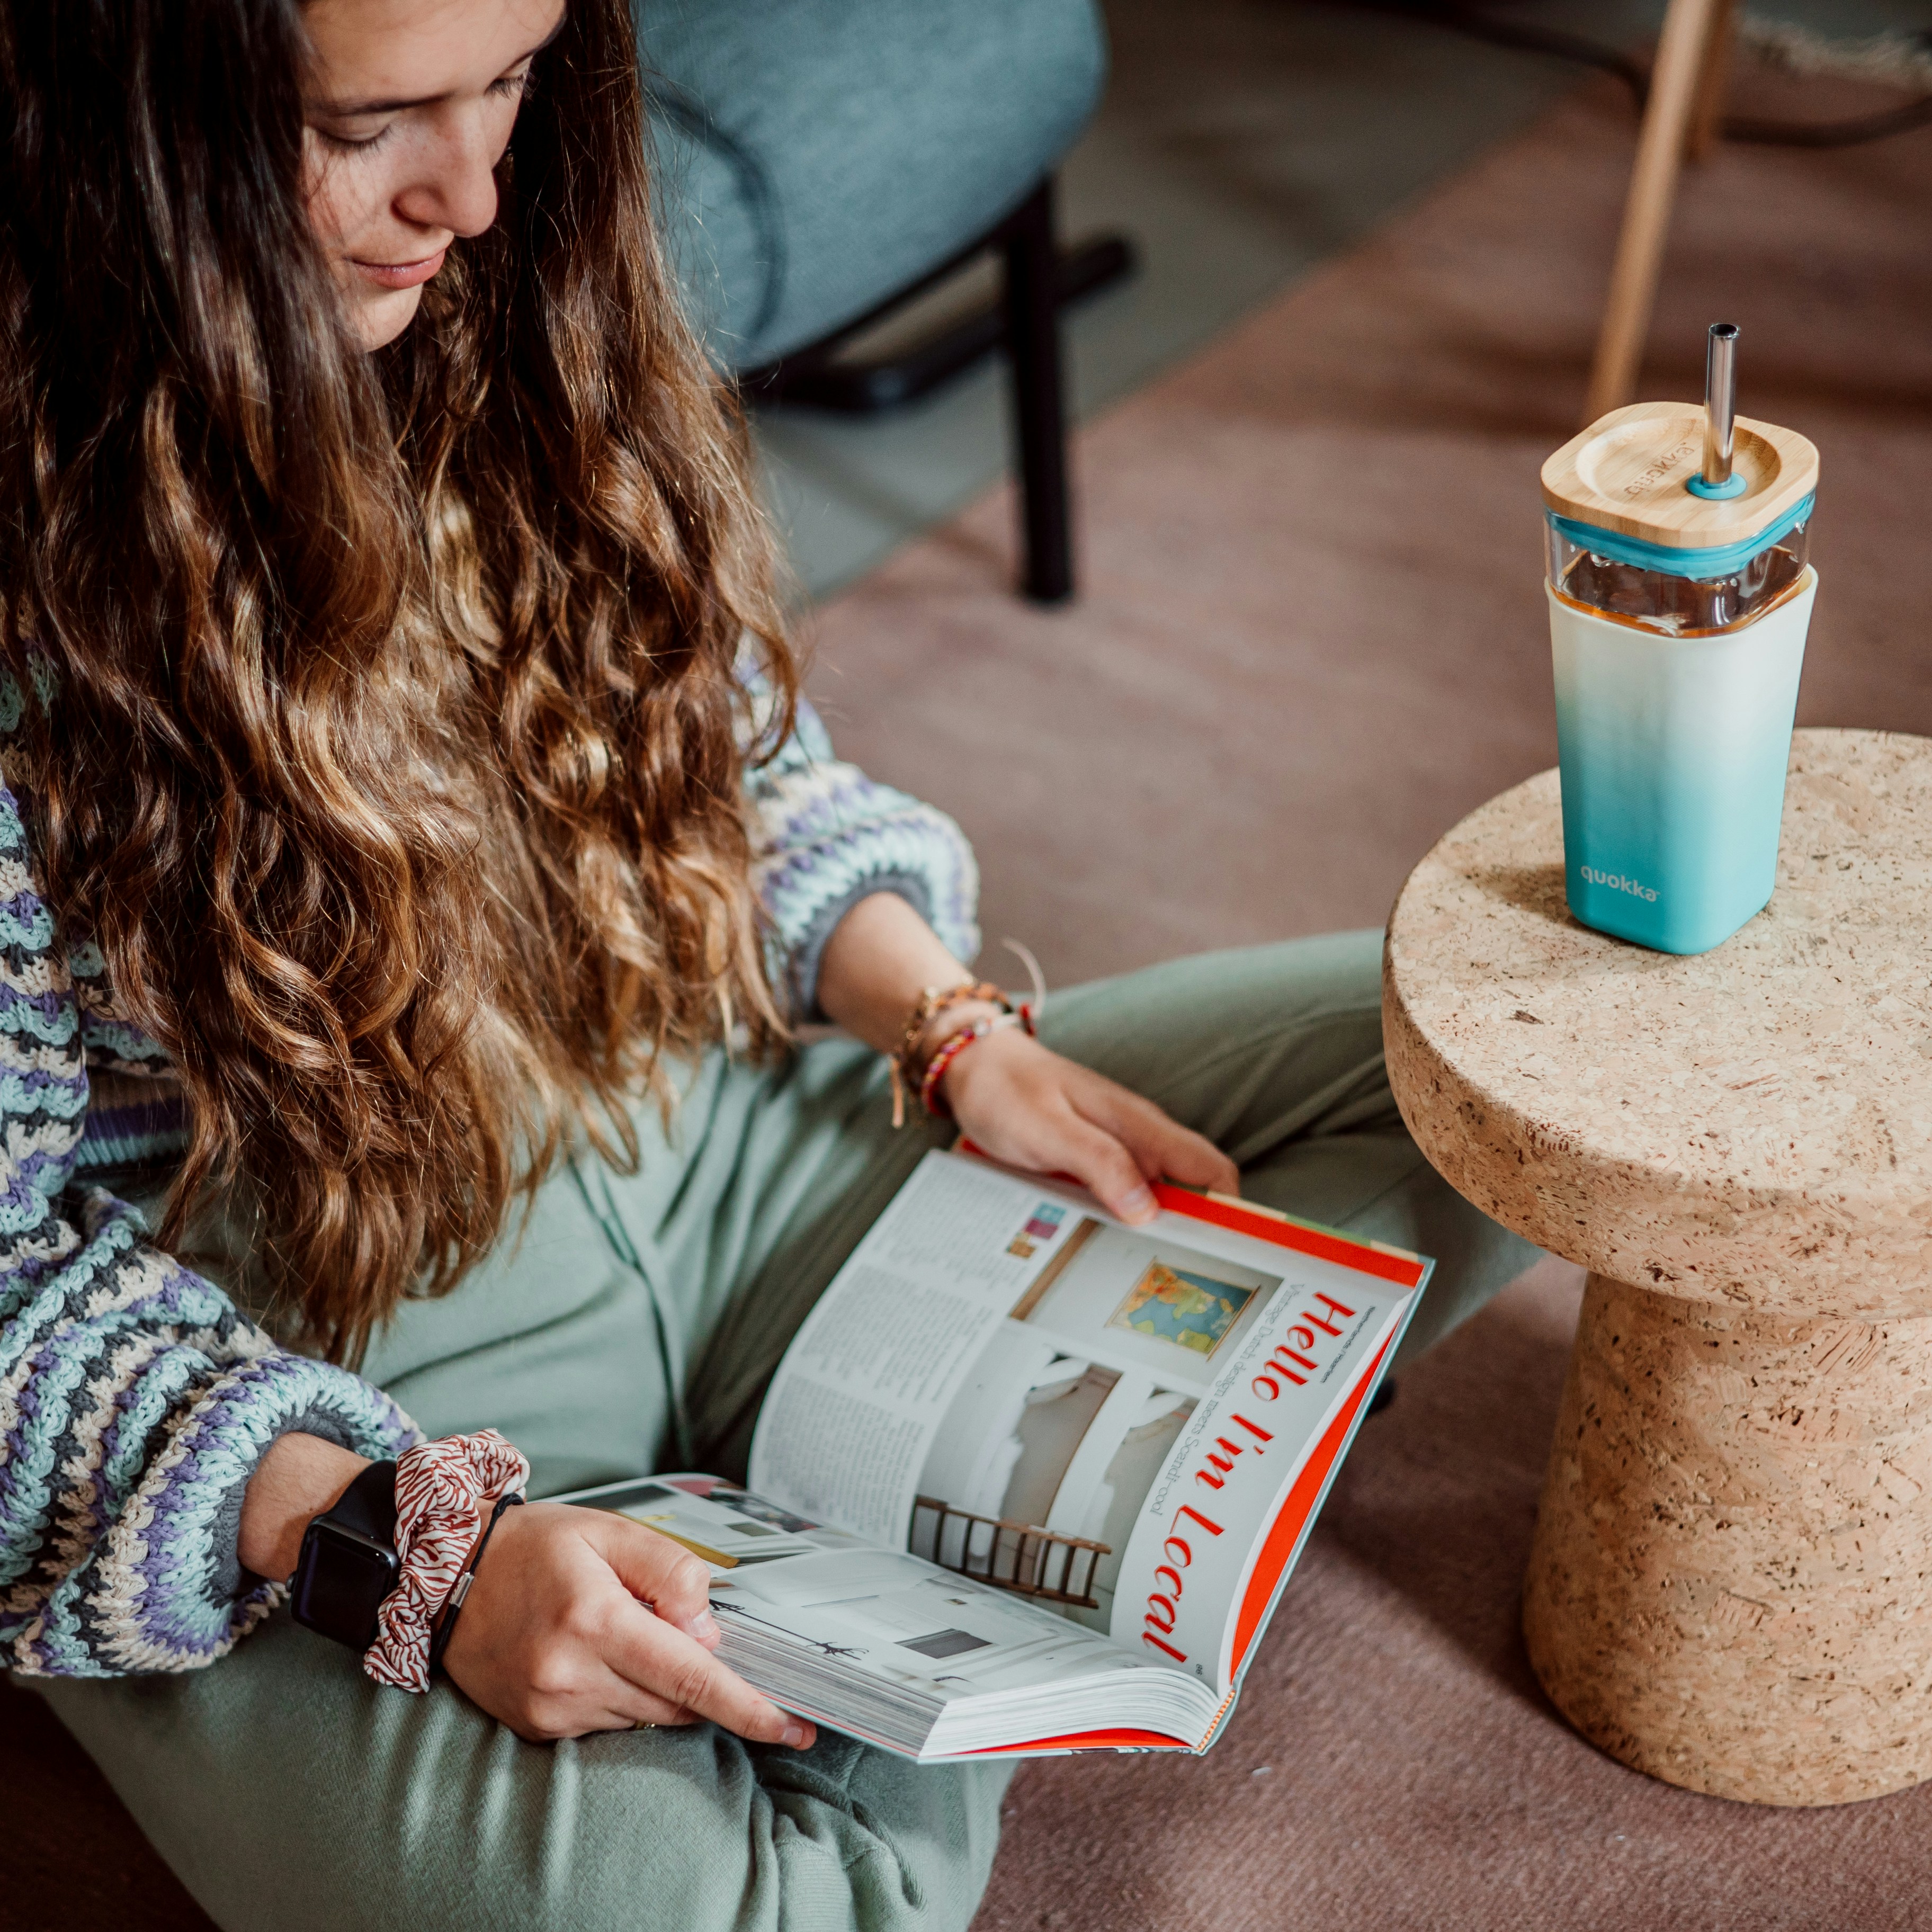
[(1754, 1124)]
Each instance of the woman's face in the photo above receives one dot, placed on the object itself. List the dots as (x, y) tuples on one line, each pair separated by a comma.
[(410, 107)]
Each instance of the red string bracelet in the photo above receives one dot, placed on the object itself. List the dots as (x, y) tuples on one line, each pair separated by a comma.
[(948, 1051), (936, 1000), (952, 1047)]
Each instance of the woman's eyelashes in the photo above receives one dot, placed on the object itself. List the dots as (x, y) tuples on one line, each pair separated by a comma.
[(352, 143), (508, 87)]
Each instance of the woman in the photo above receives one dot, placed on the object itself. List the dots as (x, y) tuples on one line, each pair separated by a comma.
[(410, 803)]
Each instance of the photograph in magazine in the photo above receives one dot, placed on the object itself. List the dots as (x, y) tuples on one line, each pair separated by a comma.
[(1074, 1406)]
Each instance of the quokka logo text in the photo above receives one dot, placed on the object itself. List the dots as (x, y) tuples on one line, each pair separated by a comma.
[(1618, 884)]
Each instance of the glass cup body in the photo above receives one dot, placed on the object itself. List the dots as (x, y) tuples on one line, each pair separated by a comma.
[(1675, 702), (1677, 606)]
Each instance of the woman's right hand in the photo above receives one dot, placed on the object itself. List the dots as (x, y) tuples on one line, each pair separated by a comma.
[(579, 1620)]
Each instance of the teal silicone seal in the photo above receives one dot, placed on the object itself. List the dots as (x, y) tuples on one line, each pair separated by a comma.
[(1723, 560), (1733, 485)]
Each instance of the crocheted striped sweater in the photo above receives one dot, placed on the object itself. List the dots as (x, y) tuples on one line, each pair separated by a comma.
[(135, 1399)]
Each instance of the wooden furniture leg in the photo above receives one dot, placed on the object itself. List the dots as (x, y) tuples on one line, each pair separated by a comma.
[(1711, 76), (1674, 91)]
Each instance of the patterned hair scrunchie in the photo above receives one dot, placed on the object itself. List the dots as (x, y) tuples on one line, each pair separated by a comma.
[(444, 1490)]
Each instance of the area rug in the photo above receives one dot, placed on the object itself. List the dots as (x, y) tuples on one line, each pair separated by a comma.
[(1312, 633), (1312, 636)]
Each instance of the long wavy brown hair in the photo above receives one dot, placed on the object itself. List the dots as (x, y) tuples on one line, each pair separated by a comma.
[(390, 738)]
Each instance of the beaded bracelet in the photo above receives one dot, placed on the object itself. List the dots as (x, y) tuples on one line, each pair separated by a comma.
[(936, 999), (950, 1048), (906, 1068)]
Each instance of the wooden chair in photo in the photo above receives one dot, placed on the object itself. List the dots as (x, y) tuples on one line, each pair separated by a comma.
[(1680, 123)]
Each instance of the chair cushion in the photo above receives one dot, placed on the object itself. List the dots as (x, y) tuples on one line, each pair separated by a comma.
[(814, 156)]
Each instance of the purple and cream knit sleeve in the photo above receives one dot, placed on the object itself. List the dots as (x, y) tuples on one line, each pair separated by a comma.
[(135, 1401), (829, 836)]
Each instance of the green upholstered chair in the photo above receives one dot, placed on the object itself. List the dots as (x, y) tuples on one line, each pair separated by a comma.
[(821, 160)]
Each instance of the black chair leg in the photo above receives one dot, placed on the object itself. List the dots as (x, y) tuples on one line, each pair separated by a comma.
[(1039, 409)]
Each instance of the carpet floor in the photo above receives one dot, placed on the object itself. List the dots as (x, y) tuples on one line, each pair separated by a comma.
[(1312, 638), (1393, 1764), (1312, 633)]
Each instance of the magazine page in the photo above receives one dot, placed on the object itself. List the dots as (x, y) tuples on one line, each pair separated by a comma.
[(874, 1641), (1107, 1420)]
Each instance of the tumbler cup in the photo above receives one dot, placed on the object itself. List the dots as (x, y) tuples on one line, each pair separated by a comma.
[(1679, 596)]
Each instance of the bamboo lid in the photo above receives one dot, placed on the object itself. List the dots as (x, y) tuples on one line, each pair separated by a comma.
[(1628, 472)]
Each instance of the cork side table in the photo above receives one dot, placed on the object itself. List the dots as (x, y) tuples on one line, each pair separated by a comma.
[(1731, 1582)]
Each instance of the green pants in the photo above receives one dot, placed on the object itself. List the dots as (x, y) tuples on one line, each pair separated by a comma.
[(633, 1325)]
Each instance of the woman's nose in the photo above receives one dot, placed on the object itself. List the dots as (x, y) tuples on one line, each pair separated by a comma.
[(455, 185)]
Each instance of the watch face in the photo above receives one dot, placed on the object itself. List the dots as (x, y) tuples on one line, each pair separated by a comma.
[(339, 1583)]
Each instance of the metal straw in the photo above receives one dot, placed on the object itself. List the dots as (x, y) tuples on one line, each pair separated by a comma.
[(1720, 401)]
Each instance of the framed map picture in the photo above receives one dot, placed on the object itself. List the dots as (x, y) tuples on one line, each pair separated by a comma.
[(1191, 1310)]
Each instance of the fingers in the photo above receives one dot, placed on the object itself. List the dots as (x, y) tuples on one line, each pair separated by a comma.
[(659, 1661), (658, 1571), (571, 1699), (613, 1704), (623, 1707), (1026, 1104), (1102, 1160), (1164, 1149)]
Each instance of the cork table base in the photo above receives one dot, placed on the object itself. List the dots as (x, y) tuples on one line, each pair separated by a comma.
[(1728, 1586), (1731, 1583)]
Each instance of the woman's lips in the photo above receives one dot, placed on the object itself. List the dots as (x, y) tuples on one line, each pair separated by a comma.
[(401, 275)]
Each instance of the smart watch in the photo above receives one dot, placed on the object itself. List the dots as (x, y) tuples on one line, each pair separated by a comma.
[(348, 1563)]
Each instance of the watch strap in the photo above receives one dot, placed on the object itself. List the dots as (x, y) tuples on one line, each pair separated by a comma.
[(368, 1505), (348, 1562)]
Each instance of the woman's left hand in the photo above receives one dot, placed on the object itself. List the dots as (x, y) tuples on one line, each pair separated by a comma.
[(1025, 1104), (1019, 1101)]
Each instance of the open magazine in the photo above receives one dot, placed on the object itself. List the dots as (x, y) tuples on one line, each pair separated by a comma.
[(1031, 1480)]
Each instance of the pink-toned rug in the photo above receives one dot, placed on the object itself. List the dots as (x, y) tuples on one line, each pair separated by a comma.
[(1313, 633), (1312, 637)]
